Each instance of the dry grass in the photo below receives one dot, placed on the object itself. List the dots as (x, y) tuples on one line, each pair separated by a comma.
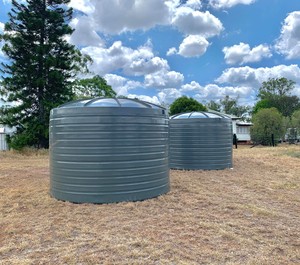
[(246, 215)]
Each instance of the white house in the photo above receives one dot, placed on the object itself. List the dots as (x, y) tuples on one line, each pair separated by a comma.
[(240, 128)]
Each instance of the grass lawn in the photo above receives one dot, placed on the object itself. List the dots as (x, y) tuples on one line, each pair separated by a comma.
[(246, 215)]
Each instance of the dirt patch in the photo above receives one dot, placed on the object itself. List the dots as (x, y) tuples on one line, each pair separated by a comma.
[(246, 215)]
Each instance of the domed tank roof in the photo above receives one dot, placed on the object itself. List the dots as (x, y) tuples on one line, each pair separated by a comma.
[(199, 115), (111, 102)]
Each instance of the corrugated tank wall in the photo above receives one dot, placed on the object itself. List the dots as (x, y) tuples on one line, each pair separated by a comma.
[(108, 150), (200, 140)]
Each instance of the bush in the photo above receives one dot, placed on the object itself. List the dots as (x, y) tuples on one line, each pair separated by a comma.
[(265, 123)]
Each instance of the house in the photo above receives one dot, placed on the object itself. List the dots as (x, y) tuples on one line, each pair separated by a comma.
[(240, 128)]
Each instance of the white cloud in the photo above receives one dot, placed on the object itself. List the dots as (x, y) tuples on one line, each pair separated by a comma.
[(120, 84), (171, 51), (242, 53), (1, 42), (118, 57), (168, 95), (253, 77), (194, 22), (195, 4), (193, 46), (288, 43), (229, 3), (164, 79), (82, 5), (1, 27), (84, 34), (216, 92), (115, 16), (193, 86), (153, 99), (144, 66)]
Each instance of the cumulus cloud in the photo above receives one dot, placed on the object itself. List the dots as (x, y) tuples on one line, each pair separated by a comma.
[(120, 84), (195, 4), (84, 6), (144, 66), (168, 95), (194, 22), (223, 4), (172, 51), (153, 99), (84, 34), (193, 46), (1, 42), (164, 79), (1, 27), (193, 86), (137, 62), (288, 43), (115, 16), (242, 53), (216, 92), (253, 77)]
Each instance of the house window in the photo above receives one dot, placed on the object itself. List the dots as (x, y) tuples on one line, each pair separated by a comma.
[(242, 130)]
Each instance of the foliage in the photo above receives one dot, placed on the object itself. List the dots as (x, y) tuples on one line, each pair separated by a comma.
[(261, 104), (228, 105), (276, 92), (185, 104), (92, 87), (41, 66), (213, 105), (265, 123), (296, 120)]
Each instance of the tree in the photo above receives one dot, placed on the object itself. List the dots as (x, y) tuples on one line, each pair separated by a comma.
[(265, 123), (230, 106), (213, 105), (276, 92), (42, 64), (92, 87), (276, 87), (185, 104), (296, 120), (262, 104)]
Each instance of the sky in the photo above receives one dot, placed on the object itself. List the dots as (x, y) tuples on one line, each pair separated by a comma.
[(159, 50)]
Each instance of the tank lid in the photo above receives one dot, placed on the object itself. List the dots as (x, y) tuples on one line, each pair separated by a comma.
[(110, 102), (199, 115)]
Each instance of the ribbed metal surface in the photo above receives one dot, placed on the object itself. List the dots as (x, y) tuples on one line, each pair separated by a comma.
[(200, 140), (104, 151)]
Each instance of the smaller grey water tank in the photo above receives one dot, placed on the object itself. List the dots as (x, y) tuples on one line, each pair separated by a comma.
[(200, 140), (108, 150)]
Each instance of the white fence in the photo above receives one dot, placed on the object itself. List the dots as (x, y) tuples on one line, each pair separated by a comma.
[(3, 143)]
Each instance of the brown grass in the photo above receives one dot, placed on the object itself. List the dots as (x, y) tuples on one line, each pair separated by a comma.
[(246, 215)]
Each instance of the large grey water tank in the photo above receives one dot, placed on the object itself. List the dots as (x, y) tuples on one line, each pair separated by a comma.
[(200, 140), (108, 150)]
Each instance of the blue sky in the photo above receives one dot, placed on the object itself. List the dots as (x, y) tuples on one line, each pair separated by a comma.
[(159, 50)]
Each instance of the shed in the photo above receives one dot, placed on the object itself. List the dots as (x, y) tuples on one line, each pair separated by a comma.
[(107, 150), (200, 140)]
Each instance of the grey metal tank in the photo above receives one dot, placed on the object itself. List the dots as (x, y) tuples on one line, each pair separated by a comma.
[(108, 150), (200, 140)]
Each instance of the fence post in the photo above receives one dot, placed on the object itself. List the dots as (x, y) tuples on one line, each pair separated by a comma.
[(235, 140), (273, 141)]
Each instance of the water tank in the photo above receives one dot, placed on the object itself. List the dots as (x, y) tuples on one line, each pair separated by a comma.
[(108, 150), (200, 140)]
